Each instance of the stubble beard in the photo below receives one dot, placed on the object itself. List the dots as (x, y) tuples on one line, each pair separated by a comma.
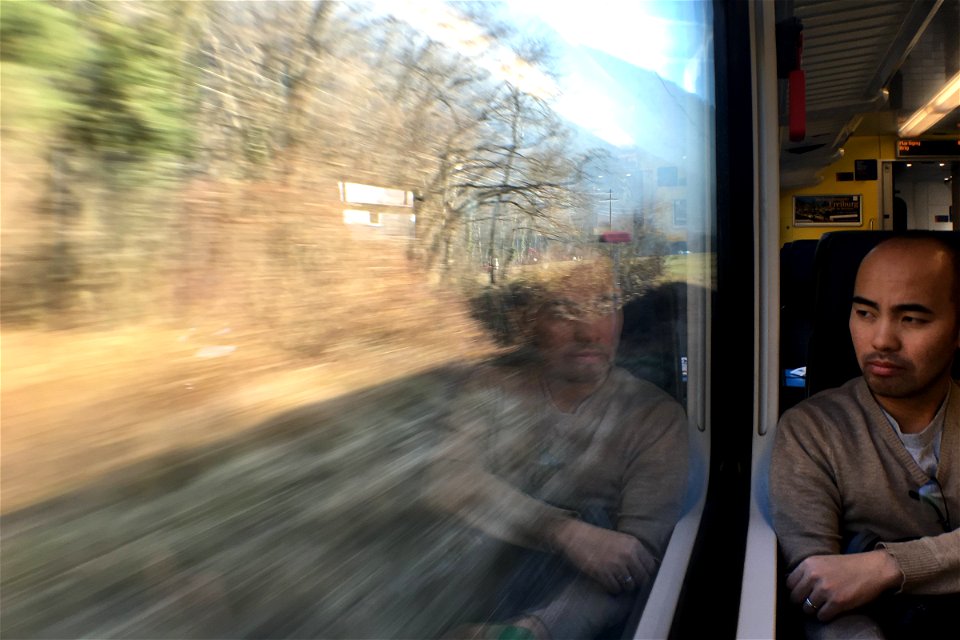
[(905, 385)]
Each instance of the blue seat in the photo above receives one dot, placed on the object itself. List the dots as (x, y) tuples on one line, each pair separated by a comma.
[(796, 315)]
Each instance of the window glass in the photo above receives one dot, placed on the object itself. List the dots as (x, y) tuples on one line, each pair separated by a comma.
[(679, 213), (330, 319)]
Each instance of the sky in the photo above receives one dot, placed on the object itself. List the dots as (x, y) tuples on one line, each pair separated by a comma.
[(665, 37)]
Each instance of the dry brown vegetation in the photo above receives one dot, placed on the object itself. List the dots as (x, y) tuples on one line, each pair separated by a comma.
[(79, 402)]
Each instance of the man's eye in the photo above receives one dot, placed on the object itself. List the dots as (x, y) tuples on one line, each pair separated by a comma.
[(862, 313), (914, 320)]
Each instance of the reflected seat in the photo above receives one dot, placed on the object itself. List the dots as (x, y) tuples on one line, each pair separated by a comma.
[(653, 343)]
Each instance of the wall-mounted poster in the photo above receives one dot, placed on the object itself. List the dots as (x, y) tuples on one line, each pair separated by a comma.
[(819, 211)]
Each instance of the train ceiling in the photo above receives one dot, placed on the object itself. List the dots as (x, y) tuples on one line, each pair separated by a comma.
[(868, 65)]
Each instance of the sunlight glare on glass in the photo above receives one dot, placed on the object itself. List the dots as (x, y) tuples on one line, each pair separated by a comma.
[(442, 22), (598, 50), (629, 31)]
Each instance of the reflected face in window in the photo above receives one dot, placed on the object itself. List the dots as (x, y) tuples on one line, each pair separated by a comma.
[(577, 335), (903, 321)]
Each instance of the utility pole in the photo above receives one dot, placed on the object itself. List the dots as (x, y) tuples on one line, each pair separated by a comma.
[(610, 199)]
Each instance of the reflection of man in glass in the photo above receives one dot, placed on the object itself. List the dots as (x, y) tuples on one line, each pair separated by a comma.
[(571, 465)]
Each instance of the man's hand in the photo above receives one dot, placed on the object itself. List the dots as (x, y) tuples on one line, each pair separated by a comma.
[(616, 560), (827, 586)]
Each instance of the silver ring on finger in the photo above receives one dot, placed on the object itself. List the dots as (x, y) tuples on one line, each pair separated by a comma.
[(626, 579), (808, 603)]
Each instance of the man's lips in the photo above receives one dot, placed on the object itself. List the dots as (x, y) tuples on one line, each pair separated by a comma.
[(883, 367), (588, 355)]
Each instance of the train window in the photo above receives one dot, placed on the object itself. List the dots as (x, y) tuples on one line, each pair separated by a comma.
[(372, 319)]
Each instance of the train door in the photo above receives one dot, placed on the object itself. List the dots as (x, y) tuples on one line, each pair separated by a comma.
[(919, 194)]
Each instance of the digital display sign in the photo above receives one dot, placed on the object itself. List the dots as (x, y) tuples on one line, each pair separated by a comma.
[(908, 148)]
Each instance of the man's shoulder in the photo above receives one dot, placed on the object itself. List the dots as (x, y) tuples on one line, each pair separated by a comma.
[(626, 382), (831, 408), (821, 428), (638, 393)]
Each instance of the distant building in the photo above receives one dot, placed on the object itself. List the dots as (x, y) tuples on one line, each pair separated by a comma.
[(384, 211)]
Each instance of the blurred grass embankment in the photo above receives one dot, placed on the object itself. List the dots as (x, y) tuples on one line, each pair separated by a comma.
[(310, 526)]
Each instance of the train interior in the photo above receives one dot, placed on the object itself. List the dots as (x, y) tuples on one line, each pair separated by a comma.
[(866, 87)]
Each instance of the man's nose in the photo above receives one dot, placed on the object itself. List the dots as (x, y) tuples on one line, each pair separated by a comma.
[(590, 328), (886, 336)]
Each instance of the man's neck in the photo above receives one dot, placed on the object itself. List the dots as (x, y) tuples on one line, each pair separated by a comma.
[(914, 414), (567, 395)]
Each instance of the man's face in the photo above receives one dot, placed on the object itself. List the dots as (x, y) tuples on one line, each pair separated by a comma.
[(577, 335), (903, 322)]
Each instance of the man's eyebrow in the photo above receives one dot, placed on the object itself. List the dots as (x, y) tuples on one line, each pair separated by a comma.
[(909, 307), (912, 308)]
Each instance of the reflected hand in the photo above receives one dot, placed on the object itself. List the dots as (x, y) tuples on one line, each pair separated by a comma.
[(616, 560), (827, 586)]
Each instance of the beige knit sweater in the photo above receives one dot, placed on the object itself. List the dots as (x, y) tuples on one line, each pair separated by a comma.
[(513, 464), (839, 469)]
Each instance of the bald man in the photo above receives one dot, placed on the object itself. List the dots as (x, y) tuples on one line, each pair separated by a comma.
[(865, 479), (568, 464)]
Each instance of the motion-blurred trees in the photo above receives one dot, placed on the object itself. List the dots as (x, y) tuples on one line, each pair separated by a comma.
[(191, 151), (500, 169), (99, 92)]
